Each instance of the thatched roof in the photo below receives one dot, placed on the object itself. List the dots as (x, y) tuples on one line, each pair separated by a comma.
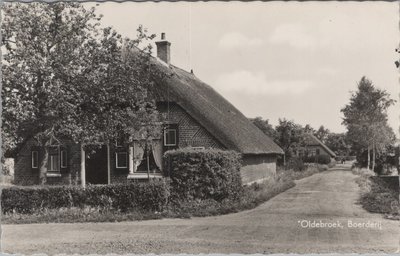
[(311, 140), (212, 111)]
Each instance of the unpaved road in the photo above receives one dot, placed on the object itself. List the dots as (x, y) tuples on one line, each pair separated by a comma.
[(270, 228)]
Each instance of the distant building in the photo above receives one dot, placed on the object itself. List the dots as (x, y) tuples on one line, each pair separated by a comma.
[(313, 147)]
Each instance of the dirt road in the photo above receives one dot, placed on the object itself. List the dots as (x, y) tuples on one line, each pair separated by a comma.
[(273, 227)]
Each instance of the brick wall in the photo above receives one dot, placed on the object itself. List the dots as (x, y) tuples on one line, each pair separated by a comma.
[(191, 133), (24, 174), (257, 168)]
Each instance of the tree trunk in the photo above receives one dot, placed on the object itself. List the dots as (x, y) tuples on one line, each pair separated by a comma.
[(284, 160), (148, 165), (43, 167), (373, 156), (369, 157)]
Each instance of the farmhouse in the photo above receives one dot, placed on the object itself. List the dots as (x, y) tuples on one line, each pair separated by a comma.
[(314, 147), (195, 115)]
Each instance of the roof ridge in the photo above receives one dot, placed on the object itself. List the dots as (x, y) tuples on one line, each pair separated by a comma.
[(322, 144), (214, 113)]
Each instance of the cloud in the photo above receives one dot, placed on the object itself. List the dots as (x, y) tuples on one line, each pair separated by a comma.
[(293, 34), (235, 40), (247, 82)]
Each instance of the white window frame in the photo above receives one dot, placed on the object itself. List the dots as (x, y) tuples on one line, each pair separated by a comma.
[(37, 159), (165, 136), (62, 159), (51, 163), (116, 160)]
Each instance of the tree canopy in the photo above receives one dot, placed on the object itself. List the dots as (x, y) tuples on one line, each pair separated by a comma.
[(290, 136), (65, 77), (265, 127), (366, 119)]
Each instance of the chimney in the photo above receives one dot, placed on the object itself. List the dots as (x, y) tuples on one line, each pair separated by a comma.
[(163, 49)]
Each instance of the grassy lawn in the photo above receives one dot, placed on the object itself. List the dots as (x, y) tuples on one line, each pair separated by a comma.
[(375, 196), (252, 196)]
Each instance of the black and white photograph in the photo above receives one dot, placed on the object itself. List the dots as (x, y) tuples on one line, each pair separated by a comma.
[(200, 127)]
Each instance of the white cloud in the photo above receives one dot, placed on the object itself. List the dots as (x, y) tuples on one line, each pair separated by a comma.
[(235, 40), (293, 34), (244, 81)]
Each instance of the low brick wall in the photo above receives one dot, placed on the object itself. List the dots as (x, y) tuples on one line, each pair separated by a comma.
[(257, 168)]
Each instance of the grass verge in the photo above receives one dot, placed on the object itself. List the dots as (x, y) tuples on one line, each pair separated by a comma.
[(375, 196)]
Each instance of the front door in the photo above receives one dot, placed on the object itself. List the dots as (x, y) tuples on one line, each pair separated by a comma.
[(96, 167)]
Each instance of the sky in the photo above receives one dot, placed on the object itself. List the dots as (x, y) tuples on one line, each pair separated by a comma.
[(299, 61)]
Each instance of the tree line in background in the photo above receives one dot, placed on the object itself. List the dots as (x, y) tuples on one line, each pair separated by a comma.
[(290, 136), (369, 138)]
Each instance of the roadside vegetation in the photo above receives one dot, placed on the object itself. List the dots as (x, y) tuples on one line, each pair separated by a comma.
[(375, 195), (193, 190)]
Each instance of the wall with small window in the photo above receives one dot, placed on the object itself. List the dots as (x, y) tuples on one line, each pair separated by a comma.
[(63, 164), (183, 130)]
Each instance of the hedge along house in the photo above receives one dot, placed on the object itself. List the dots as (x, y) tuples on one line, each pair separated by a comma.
[(194, 115), (314, 147)]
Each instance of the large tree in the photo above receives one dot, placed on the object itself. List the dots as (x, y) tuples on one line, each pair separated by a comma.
[(64, 77), (366, 118), (265, 127), (289, 136), (338, 143), (322, 133)]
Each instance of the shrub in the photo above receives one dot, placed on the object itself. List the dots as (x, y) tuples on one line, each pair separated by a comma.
[(318, 159), (204, 174), (364, 172), (377, 197), (295, 164), (152, 196), (332, 164), (252, 196), (323, 167)]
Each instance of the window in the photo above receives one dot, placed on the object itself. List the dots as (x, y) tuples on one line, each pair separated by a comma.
[(63, 158), (35, 159), (53, 164), (121, 160), (317, 151), (170, 137)]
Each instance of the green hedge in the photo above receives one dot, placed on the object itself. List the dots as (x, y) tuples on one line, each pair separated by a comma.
[(203, 174), (152, 196), (319, 159)]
